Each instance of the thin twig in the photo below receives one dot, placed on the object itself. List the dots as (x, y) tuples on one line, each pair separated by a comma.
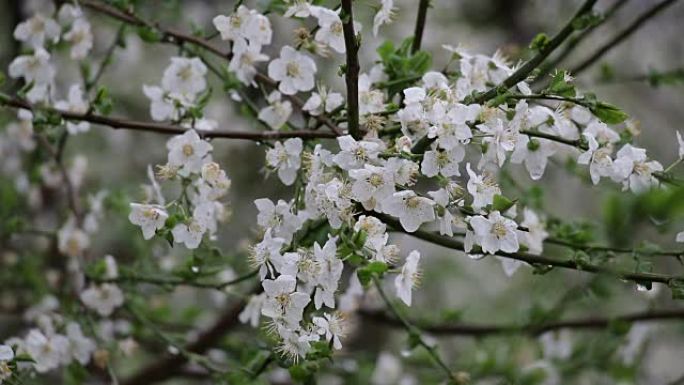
[(164, 128), (575, 41), (479, 330), (414, 331), (621, 36)]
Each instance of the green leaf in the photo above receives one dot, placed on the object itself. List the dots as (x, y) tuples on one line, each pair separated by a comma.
[(540, 42), (608, 113), (373, 269), (149, 35), (501, 203), (103, 102), (560, 86)]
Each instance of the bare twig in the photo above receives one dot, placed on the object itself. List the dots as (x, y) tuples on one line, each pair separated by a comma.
[(621, 36), (479, 330)]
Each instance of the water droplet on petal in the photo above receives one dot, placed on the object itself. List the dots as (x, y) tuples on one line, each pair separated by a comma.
[(173, 350), (195, 269)]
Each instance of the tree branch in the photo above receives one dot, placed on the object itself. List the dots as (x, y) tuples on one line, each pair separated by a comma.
[(621, 36), (420, 25), (170, 365), (164, 128), (352, 70), (480, 330)]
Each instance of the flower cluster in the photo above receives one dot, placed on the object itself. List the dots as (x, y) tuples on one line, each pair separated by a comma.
[(199, 208)]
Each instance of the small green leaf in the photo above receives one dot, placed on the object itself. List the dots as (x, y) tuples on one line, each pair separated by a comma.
[(149, 35), (608, 113), (560, 86), (501, 203), (540, 42)]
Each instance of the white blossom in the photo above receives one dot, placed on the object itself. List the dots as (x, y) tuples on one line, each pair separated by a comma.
[(283, 301), (72, 240), (442, 162), (245, 58), (445, 218), (252, 311), (185, 76), (188, 152), (495, 233), (598, 158), (408, 278), (286, 158), (371, 183), (323, 101), (277, 113), (76, 103), (536, 232), (332, 326), (633, 168), (680, 140), (37, 31), (385, 15), (534, 153), (482, 188), (293, 70), (103, 298), (81, 39), (412, 210), (355, 154), (278, 217), (80, 346), (330, 28), (150, 218), (48, 352)]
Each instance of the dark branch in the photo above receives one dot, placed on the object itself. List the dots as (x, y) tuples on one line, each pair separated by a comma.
[(420, 25), (165, 128), (352, 71)]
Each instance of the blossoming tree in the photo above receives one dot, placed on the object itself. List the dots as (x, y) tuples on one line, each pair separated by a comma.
[(408, 146)]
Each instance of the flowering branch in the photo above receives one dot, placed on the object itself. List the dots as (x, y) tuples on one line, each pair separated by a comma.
[(533, 330), (162, 128), (541, 260), (525, 70), (172, 36)]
